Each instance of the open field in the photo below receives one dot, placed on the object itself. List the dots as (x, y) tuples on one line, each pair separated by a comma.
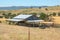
[(14, 32)]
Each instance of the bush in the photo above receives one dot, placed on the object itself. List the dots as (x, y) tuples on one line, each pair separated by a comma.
[(8, 15), (13, 15), (46, 9), (54, 14), (43, 16), (33, 13)]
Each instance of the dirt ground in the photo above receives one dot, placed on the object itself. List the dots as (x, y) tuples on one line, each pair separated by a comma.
[(14, 32)]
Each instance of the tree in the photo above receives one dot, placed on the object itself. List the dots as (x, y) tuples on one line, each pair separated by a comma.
[(54, 14), (13, 15), (7, 15), (4, 15), (46, 9), (43, 16)]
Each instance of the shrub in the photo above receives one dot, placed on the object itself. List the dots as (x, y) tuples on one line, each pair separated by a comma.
[(46, 9), (8, 15), (33, 13), (54, 14), (43, 16), (13, 15)]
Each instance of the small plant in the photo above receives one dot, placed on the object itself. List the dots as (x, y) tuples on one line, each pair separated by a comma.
[(54, 14)]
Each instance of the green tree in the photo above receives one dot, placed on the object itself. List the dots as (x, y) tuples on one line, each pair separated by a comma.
[(43, 16), (54, 14), (46, 9), (7, 15), (13, 15), (4, 15)]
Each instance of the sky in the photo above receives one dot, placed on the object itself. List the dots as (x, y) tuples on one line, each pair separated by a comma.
[(5, 3)]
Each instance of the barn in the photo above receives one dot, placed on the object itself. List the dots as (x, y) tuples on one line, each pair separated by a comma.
[(22, 18)]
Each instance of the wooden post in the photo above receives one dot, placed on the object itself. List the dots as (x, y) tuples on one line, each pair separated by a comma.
[(39, 24), (28, 33)]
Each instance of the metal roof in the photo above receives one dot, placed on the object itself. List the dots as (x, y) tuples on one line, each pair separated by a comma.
[(22, 16), (16, 20)]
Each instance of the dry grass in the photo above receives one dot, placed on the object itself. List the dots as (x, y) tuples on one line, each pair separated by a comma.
[(14, 32), (56, 19), (34, 10)]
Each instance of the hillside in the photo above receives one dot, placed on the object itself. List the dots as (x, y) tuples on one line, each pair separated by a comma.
[(20, 7), (50, 9)]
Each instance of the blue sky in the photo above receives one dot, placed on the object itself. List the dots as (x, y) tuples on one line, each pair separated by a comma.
[(29, 2)]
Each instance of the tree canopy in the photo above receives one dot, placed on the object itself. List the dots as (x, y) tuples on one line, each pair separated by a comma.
[(43, 16)]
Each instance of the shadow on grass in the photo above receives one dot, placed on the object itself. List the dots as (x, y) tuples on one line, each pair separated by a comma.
[(56, 26), (35, 26), (40, 26)]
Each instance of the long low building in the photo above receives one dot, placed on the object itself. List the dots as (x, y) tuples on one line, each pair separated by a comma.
[(23, 19), (26, 18)]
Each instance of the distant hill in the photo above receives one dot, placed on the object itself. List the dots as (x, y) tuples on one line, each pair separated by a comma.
[(19, 7), (30, 9)]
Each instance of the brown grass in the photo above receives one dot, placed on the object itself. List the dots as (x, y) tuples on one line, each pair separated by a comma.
[(35, 10), (56, 19), (14, 32)]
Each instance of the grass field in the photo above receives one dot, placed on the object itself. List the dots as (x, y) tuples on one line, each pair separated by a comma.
[(14, 32)]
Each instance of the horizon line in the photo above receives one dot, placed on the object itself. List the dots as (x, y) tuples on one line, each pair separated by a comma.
[(29, 6)]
